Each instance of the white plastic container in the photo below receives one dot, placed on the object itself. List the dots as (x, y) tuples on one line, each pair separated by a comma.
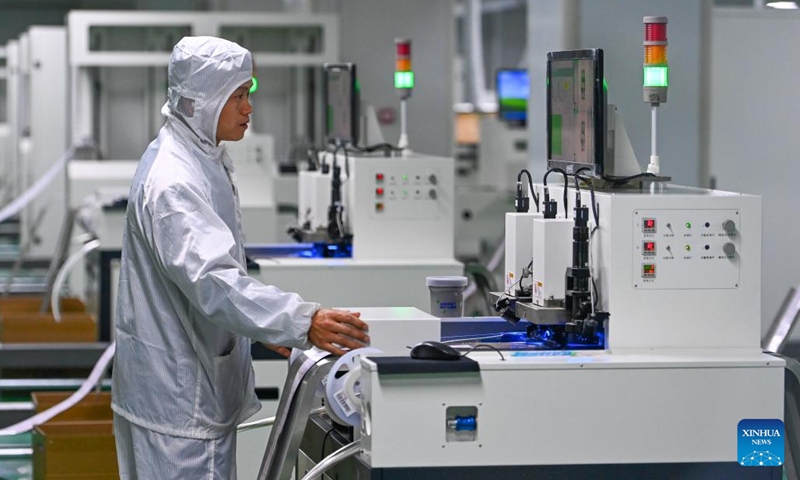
[(447, 295)]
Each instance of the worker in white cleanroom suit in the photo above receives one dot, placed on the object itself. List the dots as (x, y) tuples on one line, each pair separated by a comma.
[(183, 376)]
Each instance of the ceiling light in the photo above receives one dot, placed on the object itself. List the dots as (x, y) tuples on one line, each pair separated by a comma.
[(783, 5)]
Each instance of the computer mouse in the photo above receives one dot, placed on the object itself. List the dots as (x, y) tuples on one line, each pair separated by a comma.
[(431, 350)]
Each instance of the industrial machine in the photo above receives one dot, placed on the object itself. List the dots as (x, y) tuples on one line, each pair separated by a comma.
[(374, 242), (673, 291), (367, 212), (629, 344), (37, 137), (123, 115)]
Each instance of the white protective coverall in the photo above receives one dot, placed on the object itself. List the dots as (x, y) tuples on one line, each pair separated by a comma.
[(183, 376)]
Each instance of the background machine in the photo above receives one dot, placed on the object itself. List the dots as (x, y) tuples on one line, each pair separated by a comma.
[(630, 346)]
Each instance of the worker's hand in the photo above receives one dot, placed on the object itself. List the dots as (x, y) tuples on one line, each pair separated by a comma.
[(282, 351), (332, 329)]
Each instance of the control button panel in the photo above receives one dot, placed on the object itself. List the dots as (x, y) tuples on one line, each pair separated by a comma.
[(405, 193), (690, 249)]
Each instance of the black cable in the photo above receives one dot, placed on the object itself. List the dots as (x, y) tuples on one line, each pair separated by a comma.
[(617, 181), (346, 158), (377, 146), (566, 187), (595, 214), (588, 182), (346, 164), (313, 158), (325, 439), (530, 184), (577, 190), (335, 151), (335, 222), (486, 345)]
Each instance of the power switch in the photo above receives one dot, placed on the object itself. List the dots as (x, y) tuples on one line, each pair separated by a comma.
[(729, 249), (729, 226)]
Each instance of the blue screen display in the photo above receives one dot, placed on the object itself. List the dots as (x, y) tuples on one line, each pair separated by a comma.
[(513, 89)]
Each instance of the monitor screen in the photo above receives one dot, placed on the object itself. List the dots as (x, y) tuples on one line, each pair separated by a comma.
[(576, 110), (513, 90), (341, 104)]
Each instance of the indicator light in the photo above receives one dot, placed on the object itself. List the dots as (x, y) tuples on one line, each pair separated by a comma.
[(648, 270), (656, 67), (403, 74)]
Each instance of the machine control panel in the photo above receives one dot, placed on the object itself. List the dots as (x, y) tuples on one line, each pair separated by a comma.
[(686, 249), (406, 192)]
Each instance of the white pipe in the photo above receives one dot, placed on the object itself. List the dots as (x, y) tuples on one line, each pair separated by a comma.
[(477, 68), (403, 142), (40, 418), (333, 459), (62, 275), (654, 130), (653, 167), (23, 200)]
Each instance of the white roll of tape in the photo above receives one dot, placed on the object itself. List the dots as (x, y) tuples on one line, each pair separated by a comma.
[(342, 393)]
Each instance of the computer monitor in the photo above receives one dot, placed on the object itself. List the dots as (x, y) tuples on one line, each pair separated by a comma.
[(576, 110), (513, 90), (341, 103)]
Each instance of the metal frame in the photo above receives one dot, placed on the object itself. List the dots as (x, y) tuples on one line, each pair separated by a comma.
[(82, 59), (305, 374), (210, 23)]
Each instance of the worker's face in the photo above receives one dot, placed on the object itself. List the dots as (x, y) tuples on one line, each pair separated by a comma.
[(235, 114)]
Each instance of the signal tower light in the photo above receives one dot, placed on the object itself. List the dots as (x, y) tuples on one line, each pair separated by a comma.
[(656, 79), (404, 83), (656, 67), (403, 75)]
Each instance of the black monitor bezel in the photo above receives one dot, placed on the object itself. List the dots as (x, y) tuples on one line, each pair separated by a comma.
[(500, 109), (354, 104), (600, 110)]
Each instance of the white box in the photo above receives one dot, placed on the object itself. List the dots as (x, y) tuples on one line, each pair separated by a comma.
[(692, 298), (552, 254), (519, 244), (394, 329)]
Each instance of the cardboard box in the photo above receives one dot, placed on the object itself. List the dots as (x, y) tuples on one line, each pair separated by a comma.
[(94, 407), (78, 443), (21, 327), (32, 304), (75, 450)]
